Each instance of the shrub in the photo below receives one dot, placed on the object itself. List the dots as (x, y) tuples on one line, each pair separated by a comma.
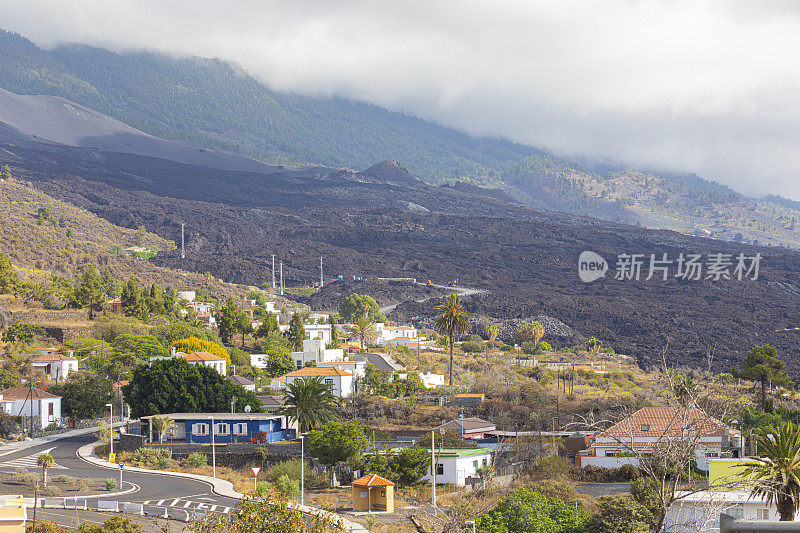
[(110, 483), (21, 470), (599, 474), (262, 487), (473, 346), (164, 463), (64, 479), (144, 457), (529, 348), (43, 526), (51, 490), (291, 468), (288, 488), (196, 459), (24, 479), (548, 468)]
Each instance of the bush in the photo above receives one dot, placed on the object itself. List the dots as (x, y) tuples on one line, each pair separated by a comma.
[(43, 526), (599, 474), (548, 468), (288, 488), (473, 346), (529, 348), (64, 479), (51, 490), (164, 463), (262, 487), (196, 459), (146, 457), (110, 483), (20, 470), (24, 479)]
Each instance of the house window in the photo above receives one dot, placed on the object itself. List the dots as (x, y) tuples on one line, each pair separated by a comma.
[(220, 429), (645, 427), (50, 410), (484, 461), (200, 429), (363, 494), (712, 454), (440, 469), (299, 364), (762, 514), (240, 429), (329, 384)]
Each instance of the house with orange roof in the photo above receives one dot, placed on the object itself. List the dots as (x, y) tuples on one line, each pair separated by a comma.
[(637, 436), (56, 364), (373, 493), (401, 335), (198, 358), (338, 381)]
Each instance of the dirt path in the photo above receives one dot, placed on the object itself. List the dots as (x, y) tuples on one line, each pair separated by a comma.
[(461, 291)]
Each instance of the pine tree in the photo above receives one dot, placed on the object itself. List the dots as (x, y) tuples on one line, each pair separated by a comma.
[(297, 333), (8, 276)]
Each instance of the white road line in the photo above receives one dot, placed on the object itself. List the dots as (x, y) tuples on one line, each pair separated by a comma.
[(146, 502), (226, 510), (188, 503), (176, 500), (212, 508), (160, 502)]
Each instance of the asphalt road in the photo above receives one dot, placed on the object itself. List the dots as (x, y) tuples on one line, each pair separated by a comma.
[(160, 493)]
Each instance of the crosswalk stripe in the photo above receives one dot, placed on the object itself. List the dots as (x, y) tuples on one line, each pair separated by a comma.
[(176, 500), (226, 510), (160, 502), (188, 503), (212, 508), (28, 462)]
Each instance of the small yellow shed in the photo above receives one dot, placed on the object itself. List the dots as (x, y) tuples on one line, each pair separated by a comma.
[(373, 493), (12, 515)]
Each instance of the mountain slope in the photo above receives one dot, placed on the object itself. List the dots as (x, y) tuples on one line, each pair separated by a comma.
[(213, 104)]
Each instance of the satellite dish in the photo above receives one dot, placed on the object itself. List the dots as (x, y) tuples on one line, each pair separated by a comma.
[(247, 408)]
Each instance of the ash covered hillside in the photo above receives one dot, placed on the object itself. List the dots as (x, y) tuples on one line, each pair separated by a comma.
[(382, 222)]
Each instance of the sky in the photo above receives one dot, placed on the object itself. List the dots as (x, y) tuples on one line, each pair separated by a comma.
[(711, 87)]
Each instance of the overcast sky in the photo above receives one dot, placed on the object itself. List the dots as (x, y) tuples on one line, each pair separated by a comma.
[(703, 86)]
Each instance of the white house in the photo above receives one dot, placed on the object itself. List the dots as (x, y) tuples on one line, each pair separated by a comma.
[(43, 407), (636, 435), (357, 368), (314, 350), (201, 308), (431, 381), (455, 465), (56, 365), (699, 512), (395, 334), (339, 382), (319, 331)]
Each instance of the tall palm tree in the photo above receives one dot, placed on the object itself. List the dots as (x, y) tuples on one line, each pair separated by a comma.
[(163, 424), (453, 321), (46, 461), (364, 329), (492, 332), (308, 402), (777, 469)]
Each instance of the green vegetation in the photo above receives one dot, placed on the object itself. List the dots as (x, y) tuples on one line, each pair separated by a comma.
[(336, 442), (777, 469), (762, 365), (174, 385), (357, 305), (452, 321), (309, 403), (528, 511)]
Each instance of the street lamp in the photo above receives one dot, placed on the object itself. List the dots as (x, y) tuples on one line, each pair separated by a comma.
[(302, 471), (121, 399), (555, 452), (110, 428)]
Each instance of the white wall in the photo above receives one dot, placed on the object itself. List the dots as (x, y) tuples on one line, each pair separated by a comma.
[(458, 469)]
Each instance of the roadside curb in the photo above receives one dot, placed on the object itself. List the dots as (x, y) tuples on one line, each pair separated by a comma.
[(220, 487), (13, 447), (134, 487)]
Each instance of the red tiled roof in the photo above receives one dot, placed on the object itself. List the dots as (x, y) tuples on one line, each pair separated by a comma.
[(373, 480), (20, 393), (669, 422), (202, 356), (469, 396), (316, 371), (54, 356)]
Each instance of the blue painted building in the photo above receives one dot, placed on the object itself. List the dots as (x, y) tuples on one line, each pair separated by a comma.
[(227, 428)]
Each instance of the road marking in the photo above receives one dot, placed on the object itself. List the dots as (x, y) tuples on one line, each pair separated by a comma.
[(29, 461), (176, 500), (160, 502), (212, 508), (226, 510), (188, 503), (147, 502)]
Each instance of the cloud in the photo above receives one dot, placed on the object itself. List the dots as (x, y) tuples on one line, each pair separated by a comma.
[(704, 86)]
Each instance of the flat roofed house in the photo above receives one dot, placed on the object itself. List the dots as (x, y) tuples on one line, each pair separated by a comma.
[(638, 434), (339, 382), (373, 493), (43, 407), (228, 427)]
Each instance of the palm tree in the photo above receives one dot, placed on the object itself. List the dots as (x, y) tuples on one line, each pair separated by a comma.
[(777, 470), (492, 332), (537, 332), (593, 345), (364, 329), (163, 424), (453, 322), (45, 460), (308, 402)]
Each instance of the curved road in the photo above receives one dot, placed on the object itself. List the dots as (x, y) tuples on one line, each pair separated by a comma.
[(461, 291), (158, 492)]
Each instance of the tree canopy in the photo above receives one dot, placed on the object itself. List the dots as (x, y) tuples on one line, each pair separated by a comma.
[(762, 365), (359, 305), (84, 395), (193, 344), (174, 385), (337, 442)]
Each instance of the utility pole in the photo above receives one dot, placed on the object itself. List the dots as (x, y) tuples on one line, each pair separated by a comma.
[(273, 271), (183, 248), (433, 470), (321, 279), (281, 278)]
